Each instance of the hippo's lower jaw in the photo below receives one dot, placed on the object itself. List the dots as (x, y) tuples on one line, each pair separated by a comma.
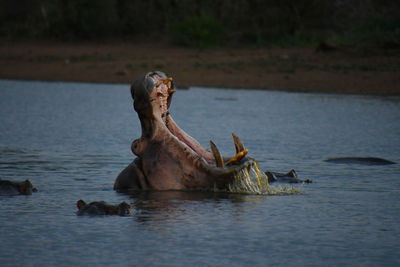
[(170, 159), (245, 177)]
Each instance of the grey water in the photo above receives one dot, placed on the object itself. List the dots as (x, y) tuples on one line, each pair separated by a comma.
[(72, 139)]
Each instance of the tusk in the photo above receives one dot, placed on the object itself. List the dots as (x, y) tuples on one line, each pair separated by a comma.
[(217, 155), (237, 157), (166, 81), (171, 91), (238, 144)]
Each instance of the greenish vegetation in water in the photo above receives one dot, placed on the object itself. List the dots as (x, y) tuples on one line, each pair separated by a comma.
[(250, 180)]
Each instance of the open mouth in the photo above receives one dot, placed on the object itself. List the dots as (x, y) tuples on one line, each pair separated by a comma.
[(170, 159), (160, 98)]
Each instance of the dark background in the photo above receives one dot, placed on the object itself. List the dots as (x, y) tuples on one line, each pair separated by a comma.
[(207, 22)]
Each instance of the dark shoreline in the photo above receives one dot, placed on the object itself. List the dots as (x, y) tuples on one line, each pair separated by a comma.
[(346, 71)]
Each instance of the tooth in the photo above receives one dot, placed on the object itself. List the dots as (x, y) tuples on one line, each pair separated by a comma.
[(238, 144), (237, 157), (166, 81), (217, 155)]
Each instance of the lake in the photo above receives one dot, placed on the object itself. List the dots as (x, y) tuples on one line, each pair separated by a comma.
[(72, 139)]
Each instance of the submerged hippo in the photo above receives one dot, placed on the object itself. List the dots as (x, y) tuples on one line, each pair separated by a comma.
[(170, 159), (360, 160), (102, 208), (16, 188), (289, 177)]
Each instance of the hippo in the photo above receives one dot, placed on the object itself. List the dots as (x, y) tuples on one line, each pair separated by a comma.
[(102, 208), (16, 188), (289, 177), (170, 159), (360, 160)]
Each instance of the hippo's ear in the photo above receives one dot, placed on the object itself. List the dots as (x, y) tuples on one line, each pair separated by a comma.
[(80, 204), (22, 187), (124, 205), (25, 187), (28, 187), (124, 208)]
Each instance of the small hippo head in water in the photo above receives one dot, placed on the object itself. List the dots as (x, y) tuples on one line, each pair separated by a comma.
[(15, 188), (102, 208)]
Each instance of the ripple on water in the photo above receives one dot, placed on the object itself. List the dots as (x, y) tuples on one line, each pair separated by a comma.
[(71, 140)]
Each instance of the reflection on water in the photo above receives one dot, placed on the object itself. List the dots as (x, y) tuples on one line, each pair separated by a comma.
[(171, 205), (71, 140)]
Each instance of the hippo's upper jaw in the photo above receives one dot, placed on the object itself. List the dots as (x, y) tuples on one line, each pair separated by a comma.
[(169, 158)]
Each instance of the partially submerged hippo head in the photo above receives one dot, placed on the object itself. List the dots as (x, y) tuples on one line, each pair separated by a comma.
[(170, 159), (13, 188), (102, 208)]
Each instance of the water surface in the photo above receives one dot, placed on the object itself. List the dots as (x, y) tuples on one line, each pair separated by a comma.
[(72, 139)]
